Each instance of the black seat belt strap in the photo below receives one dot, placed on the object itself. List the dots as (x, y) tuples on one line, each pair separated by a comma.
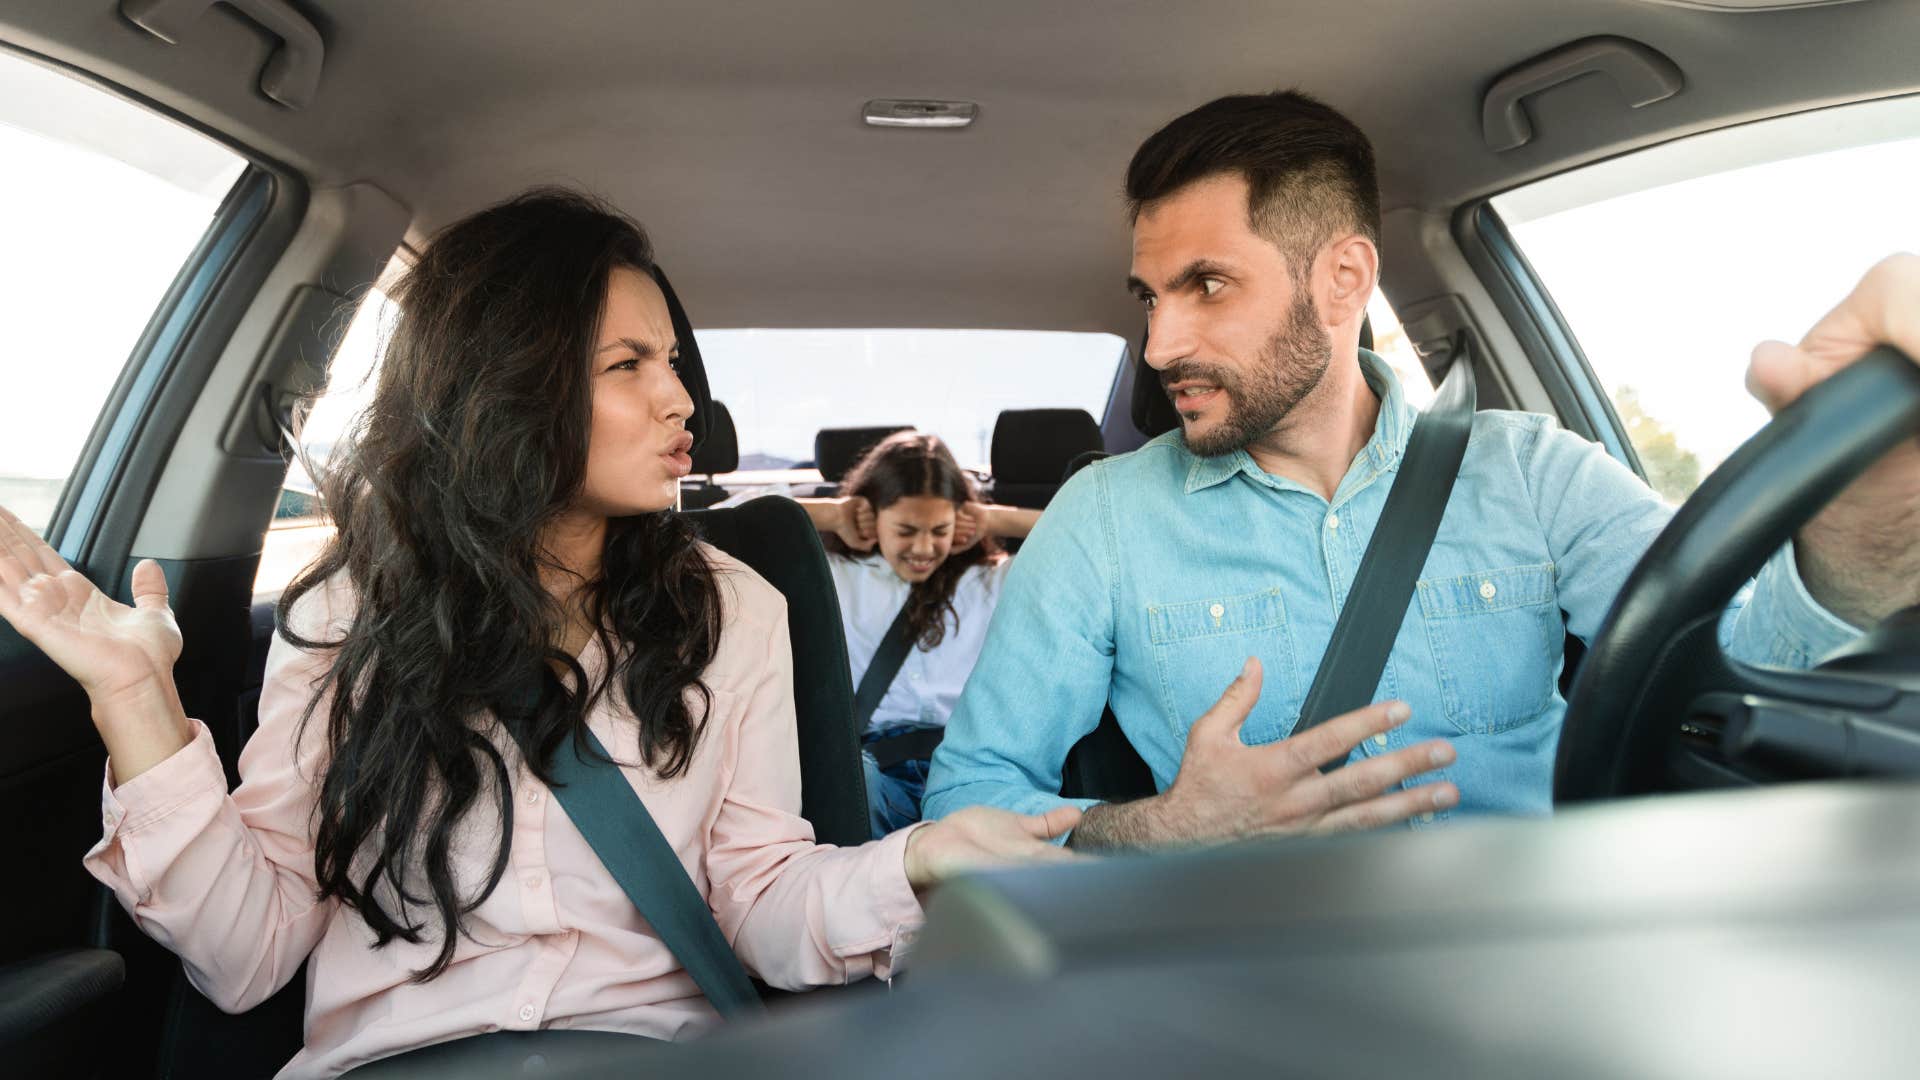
[(603, 805), (895, 644), (1377, 601)]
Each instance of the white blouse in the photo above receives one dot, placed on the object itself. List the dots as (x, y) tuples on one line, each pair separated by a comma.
[(929, 683)]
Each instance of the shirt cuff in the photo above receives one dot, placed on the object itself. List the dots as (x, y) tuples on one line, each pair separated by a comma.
[(1804, 631), (188, 774)]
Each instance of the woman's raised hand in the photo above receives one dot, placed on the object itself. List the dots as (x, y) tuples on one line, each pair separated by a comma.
[(122, 656)]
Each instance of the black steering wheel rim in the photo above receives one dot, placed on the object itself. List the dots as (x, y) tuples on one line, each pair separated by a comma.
[(1657, 656)]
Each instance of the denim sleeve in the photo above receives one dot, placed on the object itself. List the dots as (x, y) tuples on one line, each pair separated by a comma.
[(1046, 668), (1597, 516), (1599, 519), (1782, 625)]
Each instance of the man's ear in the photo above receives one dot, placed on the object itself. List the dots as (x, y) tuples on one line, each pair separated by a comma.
[(1352, 272)]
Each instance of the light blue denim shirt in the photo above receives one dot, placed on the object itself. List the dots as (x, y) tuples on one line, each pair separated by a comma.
[(1153, 575)]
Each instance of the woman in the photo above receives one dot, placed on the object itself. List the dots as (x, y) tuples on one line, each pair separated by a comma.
[(502, 519), (912, 549)]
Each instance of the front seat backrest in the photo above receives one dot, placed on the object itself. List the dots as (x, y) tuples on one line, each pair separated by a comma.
[(775, 537), (1032, 449)]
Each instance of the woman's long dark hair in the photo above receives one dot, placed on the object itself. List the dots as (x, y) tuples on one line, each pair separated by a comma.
[(474, 443), (906, 464)]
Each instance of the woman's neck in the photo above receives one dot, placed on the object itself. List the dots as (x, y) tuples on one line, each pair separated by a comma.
[(575, 545)]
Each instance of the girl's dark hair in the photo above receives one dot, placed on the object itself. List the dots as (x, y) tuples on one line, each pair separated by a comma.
[(904, 465), (475, 441)]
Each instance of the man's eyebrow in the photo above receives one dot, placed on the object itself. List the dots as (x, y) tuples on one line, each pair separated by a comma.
[(636, 346), (1193, 272)]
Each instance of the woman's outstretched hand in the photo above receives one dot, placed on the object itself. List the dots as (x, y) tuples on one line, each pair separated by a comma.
[(121, 656), (981, 838)]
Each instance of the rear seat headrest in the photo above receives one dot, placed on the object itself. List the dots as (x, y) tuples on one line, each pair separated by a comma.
[(1153, 411), (721, 452), (1033, 446), (835, 450)]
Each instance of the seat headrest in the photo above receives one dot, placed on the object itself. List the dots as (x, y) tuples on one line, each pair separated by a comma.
[(836, 450), (1153, 412), (721, 452), (1033, 446), (693, 372)]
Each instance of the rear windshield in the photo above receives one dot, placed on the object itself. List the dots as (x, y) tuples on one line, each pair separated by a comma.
[(783, 386)]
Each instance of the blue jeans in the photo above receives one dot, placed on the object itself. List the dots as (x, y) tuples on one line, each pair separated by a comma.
[(893, 793)]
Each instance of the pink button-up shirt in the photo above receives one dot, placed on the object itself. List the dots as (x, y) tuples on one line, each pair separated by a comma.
[(227, 881)]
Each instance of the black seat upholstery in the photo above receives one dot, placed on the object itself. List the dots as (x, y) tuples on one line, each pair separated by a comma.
[(774, 537), (837, 450), (719, 453), (1032, 449)]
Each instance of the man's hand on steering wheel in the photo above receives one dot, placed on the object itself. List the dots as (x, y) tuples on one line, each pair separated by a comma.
[(1859, 557)]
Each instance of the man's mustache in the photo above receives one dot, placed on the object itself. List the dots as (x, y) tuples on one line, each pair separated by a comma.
[(1187, 370)]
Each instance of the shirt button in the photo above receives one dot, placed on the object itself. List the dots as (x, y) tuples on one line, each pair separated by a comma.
[(1217, 610), (915, 676), (1426, 818), (526, 1012), (1487, 590), (1380, 739), (531, 881), (1333, 521), (533, 798)]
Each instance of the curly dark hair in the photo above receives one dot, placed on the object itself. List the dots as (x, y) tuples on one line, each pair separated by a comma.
[(474, 443), (906, 464)]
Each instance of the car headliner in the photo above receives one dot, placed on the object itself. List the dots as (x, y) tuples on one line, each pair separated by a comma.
[(733, 132)]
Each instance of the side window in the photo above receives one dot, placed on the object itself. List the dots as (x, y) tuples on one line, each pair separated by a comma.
[(299, 529), (101, 205), (1390, 342), (1669, 265)]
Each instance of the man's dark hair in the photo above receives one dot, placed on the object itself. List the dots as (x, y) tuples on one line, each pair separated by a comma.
[(1309, 170)]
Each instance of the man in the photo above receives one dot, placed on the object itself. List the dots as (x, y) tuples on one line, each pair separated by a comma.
[(1219, 555)]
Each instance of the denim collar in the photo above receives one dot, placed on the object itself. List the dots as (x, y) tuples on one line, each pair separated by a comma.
[(1381, 455)]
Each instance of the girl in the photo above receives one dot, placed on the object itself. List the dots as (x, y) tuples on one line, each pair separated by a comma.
[(913, 554), (503, 518)]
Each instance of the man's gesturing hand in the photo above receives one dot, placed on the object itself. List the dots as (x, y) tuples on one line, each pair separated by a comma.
[(1228, 790)]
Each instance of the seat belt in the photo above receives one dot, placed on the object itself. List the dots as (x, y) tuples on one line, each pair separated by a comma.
[(1377, 601), (895, 644), (608, 812)]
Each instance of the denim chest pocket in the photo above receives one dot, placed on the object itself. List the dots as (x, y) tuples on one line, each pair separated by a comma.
[(1200, 645), (1493, 635)]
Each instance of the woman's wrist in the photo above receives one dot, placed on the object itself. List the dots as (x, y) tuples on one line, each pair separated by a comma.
[(142, 724)]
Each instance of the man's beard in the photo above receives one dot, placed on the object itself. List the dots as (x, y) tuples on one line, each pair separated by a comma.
[(1287, 370)]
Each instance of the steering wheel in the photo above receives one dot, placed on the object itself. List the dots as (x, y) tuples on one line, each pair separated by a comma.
[(1657, 703)]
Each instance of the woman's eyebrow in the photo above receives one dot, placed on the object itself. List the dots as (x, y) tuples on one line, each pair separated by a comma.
[(636, 346)]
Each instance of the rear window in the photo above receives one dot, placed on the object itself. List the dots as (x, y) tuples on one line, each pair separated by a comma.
[(783, 386)]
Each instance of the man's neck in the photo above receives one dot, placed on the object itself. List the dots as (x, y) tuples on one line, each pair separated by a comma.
[(1316, 444)]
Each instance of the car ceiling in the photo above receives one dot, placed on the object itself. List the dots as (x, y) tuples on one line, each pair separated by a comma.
[(732, 130)]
